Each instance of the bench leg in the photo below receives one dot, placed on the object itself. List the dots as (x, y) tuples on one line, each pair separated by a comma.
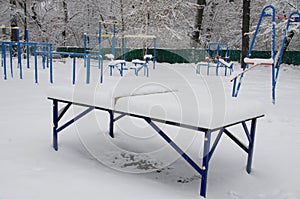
[(251, 145), (111, 124), (55, 125), (205, 163)]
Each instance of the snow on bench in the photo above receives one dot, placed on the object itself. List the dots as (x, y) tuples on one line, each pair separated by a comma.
[(258, 61), (222, 61)]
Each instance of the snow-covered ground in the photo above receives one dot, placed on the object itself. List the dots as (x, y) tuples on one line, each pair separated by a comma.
[(138, 163)]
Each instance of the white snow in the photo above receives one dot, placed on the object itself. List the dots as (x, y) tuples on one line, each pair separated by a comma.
[(138, 163), (258, 61)]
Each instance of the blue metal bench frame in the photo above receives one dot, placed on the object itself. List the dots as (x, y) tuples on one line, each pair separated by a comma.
[(208, 150)]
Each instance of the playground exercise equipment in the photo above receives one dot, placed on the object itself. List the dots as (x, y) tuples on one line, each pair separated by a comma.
[(141, 64), (92, 43), (214, 58), (44, 50), (38, 47), (138, 65), (274, 61), (126, 37), (117, 64)]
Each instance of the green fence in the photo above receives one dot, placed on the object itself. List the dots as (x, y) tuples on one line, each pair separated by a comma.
[(185, 55)]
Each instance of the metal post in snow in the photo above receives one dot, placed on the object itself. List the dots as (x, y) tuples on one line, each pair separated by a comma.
[(4, 60), (51, 66), (154, 53), (55, 124), (35, 64), (74, 70), (88, 69), (100, 62), (27, 48), (11, 60), (205, 162)]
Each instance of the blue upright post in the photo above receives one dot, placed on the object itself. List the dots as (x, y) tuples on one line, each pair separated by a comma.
[(205, 162), (74, 70), (113, 42), (100, 62), (51, 66), (4, 60), (99, 37), (27, 48), (55, 124), (19, 53), (124, 48), (111, 123), (251, 145), (35, 64), (11, 60), (88, 69), (154, 53)]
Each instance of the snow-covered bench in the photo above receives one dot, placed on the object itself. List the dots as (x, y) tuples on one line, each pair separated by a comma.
[(141, 64), (118, 64), (201, 113)]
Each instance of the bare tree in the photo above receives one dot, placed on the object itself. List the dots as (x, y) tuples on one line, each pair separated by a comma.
[(245, 29), (198, 23)]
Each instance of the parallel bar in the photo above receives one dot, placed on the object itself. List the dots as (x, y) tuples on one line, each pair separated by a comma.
[(75, 119), (205, 163), (251, 144), (236, 140), (180, 151)]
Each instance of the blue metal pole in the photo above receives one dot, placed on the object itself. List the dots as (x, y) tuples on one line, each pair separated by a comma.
[(35, 65), (100, 62), (114, 42), (124, 48), (35, 60), (251, 144), (74, 68), (205, 162), (55, 124), (99, 38), (11, 60), (111, 123), (88, 69), (4, 60), (154, 53), (51, 66), (27, 48)]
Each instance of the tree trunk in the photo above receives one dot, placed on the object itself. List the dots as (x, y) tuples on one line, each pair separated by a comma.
[(198, 23), (209, 29), (245, 29), (66, 20)]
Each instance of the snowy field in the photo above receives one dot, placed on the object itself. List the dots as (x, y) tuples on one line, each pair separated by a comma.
[(138, 163)]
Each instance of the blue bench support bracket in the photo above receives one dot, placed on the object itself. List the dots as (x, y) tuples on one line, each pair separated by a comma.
[(208, 149), (57, 116)]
